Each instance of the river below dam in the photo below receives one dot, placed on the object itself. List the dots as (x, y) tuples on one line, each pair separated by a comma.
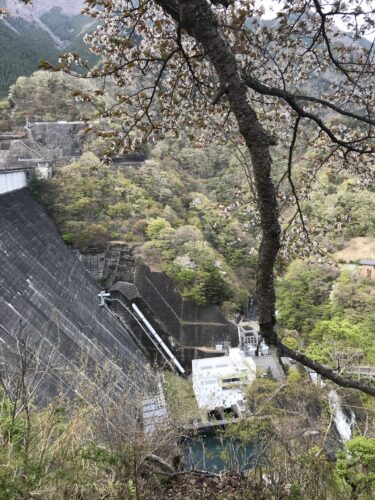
[(215, 453)]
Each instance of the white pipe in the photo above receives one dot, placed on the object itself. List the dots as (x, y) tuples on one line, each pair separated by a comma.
[(159, 339)]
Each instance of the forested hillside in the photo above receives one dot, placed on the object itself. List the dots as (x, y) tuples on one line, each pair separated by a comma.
[(43, 96), (28, 36), (237, 157), (189, 210)]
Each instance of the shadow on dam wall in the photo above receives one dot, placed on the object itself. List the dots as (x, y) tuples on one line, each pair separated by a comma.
[(190, 324), (49, 301), (190, 330)]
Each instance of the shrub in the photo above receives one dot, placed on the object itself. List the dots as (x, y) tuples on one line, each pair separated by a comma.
[(155, 226)]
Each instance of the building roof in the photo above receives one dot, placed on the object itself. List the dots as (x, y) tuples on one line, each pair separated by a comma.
[(219, 381), (128, 289), (367, 262)]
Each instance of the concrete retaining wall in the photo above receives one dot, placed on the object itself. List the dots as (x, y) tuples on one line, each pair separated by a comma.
[(189, 323)]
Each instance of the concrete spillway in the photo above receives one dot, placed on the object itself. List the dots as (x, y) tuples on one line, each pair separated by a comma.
[(49, 301)]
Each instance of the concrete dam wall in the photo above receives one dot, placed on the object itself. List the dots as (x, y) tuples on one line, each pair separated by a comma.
[(49, 301), (191, 324), (188, 323)]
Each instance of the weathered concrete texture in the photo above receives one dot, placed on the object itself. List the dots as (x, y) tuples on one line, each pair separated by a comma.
[(47, 296), (189, 323), (61, 139), (122, 295), (127, 290), (43, 143), (21, 154), (118, 263), (114, 264), (94, 263)]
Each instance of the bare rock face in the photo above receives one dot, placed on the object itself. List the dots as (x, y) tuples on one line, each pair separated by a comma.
[(69, 7), (33, 13), (38, 8)]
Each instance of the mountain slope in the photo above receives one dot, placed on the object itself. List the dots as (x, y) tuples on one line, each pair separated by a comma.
[(29, 34)]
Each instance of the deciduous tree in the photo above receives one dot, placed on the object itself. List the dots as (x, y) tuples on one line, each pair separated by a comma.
[(210, 68)]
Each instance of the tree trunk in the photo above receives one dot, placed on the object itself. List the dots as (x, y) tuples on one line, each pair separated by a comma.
[(198, 19)]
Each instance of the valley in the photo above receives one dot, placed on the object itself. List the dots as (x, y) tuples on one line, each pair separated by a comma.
[(187, 260)]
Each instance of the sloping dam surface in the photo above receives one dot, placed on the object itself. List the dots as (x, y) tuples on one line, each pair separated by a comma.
[(49, 308)]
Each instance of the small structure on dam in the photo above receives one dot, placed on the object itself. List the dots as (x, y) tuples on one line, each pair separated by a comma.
[(191, 330), (34, 148), (49, 306)]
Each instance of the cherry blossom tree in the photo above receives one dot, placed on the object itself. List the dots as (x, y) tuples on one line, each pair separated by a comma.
[(212, 69)]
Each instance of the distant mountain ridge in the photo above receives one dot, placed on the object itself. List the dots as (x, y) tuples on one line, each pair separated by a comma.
[(41, 31), (48, 28), (69, 7)]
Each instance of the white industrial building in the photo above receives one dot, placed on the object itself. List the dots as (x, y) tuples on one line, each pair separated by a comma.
[(219, 382), (250, 340)]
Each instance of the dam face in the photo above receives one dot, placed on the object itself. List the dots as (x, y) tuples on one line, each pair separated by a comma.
[(49, 306)]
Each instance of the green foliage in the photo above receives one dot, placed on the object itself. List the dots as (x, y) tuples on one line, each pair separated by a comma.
[(156, 226), (290, 342), (352, 322), (197, 270), (180, 398), (20, 58), (319, 352), (357, 465), (294, 375), (354, 298), (25, 456), (348, 201), (52, 99), (92, 203), (333, 317), (86, 235), (68, 238), (336, 329), (24, 44), (259, 395), (302, 294)]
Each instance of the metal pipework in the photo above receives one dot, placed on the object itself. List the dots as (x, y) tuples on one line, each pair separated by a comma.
[(159, 339)]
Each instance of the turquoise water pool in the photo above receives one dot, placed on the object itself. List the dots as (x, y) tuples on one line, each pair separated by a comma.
[(215, 453)]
